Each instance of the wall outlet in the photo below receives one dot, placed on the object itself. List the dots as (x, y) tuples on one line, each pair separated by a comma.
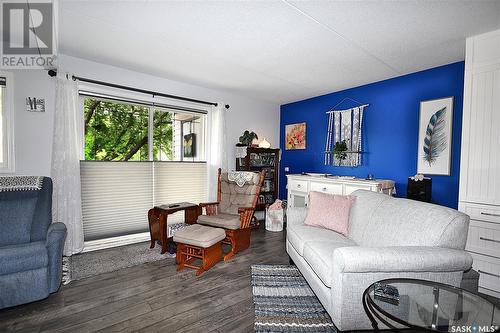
[(287, 169)]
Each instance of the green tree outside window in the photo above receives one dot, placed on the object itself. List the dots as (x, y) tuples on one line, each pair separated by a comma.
[(119, 132)]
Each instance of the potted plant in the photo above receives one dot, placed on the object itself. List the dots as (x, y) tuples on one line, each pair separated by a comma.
[(247, 138), (339, 151)]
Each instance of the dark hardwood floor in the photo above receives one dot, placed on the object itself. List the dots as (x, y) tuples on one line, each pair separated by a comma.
[(153, 297)]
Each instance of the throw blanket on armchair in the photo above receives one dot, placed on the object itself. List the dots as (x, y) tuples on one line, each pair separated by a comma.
[(21, 183)]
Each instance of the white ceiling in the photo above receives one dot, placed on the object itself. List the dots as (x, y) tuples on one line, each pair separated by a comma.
[(280, 51)]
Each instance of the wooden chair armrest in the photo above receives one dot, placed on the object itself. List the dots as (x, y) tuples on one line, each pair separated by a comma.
[(205, 204), (210, 207), (246, 214)]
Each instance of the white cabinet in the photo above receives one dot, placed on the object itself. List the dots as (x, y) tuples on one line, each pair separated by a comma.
[(299, 187), (484, 238), (480, 157), (332, 188), (297, 199)]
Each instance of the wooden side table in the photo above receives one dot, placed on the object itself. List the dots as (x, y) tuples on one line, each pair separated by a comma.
[(158, 215)]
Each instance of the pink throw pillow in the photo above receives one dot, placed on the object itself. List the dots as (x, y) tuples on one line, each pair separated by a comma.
[(329, 211)]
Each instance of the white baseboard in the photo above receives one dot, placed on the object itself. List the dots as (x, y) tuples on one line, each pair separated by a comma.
[(107, 243)]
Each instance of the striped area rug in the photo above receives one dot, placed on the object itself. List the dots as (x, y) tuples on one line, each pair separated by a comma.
[(284, 302)]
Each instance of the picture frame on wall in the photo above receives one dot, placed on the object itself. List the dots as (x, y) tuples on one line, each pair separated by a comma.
[(189, 145), (434, 136), (295, 136), (34, 104)]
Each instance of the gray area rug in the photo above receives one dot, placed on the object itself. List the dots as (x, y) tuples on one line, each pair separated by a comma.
[(284, 302), (87, 264)]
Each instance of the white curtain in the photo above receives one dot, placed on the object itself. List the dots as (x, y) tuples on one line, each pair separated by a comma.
[(66, 202), (216, 147)]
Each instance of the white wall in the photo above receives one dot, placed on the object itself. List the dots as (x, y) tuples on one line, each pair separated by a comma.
[(33, 131)]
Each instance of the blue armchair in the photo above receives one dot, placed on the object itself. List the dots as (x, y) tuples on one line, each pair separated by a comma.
[(31, 246)]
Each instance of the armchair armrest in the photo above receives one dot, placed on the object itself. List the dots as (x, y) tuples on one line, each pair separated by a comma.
[(205, 204), (210, 207), (357, 259), (55, 232), (246, 214), (56, 235)]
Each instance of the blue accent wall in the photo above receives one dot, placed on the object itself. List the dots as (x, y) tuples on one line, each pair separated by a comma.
[(390, 129)]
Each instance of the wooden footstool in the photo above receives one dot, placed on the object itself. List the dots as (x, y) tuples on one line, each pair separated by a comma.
[(199, 242)]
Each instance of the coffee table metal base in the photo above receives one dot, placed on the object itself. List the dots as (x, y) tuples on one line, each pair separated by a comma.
[(438, 295)]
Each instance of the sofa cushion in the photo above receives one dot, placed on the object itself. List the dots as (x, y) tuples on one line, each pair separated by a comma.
[(221, 220), (404, 222), (299, 234), (199, 235), (23, 257), (330, 211), (319, 255), (16, 215), (361, 212)]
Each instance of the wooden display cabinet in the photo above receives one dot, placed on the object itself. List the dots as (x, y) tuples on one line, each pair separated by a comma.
[(259, 159)]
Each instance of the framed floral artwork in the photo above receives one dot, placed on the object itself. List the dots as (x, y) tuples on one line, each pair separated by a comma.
[(295, 136)]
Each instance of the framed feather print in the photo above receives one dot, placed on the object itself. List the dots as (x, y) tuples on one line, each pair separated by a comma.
[(434, 136)]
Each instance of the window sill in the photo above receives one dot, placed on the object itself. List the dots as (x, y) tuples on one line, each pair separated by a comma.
[(107, 243), (7, 170)]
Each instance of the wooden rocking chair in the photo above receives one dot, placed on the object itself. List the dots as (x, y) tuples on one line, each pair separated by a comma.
[(233, 210)]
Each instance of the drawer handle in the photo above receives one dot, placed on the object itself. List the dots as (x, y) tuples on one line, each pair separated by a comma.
[(490, 214), (491, 274), (298, 185), (324, 188), (489, 240)]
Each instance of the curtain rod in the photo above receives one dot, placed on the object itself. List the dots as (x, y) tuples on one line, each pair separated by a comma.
[(139, 102), (154, 93)]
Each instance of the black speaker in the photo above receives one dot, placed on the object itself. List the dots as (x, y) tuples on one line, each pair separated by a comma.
[(420, 190)]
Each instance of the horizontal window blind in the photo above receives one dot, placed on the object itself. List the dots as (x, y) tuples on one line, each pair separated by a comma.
[(116, 196), (177, 182)]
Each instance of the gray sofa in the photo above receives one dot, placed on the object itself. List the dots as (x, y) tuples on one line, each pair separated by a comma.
[(30, 246), (387, 238)]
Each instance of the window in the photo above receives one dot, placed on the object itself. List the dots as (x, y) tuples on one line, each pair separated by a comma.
[(185, 133), (137, 156), (115, 131), (121, 131), (6, 123)]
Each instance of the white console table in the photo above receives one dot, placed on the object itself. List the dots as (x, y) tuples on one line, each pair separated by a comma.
[(299, 187)]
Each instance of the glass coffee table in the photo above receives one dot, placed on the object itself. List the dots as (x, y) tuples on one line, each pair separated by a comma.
[(427, 306)]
